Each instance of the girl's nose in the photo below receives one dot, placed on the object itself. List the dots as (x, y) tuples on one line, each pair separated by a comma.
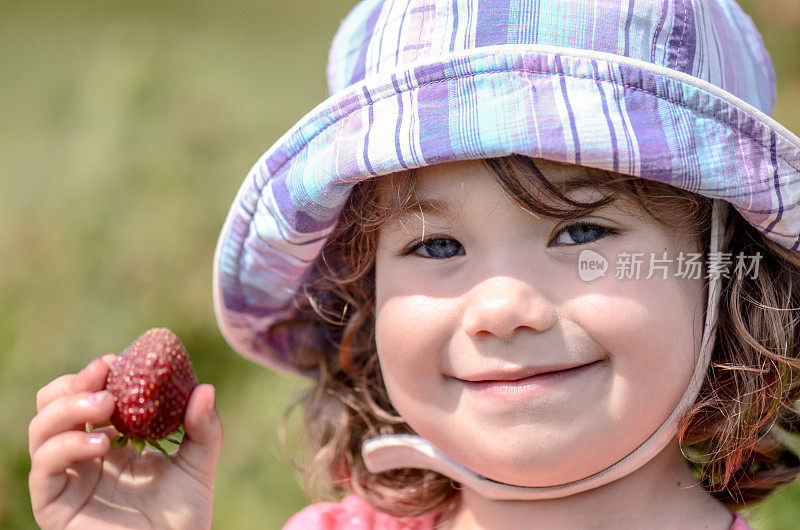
[(501, 305)]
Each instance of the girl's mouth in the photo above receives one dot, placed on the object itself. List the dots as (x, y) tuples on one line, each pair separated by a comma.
[(528, 386)]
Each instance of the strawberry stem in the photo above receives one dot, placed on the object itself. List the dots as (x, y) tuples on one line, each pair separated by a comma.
[(157, 445), (138, 445)]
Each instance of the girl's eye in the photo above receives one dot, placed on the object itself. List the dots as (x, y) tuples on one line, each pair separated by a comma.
[(436, 248), (581, 233)]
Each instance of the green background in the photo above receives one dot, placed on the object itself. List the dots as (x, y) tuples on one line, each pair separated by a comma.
[(125, 130)]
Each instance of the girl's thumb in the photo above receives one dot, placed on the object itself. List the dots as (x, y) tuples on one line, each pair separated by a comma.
[(202, 440)]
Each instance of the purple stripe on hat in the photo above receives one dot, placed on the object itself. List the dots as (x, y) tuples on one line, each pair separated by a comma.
[(647, 128), (737, 190), (611, 131), (520, 21), (398, 48), (618, 93), (478, 144), (468, 133), (277, 160), (259, 178), (493, 23), (682, 39), (370, 121), (397, 148), (347, 102), (719, 66), (543, 98), (231, 294), (660, 26), (412, 145), (430, 73), (283, 197), (239, 228), (468, 26), (773, 158), (676, 123), (360, 65), (628, 20), (563, 80), (435, 141), (455, 25), (232, 288), (700, 50)]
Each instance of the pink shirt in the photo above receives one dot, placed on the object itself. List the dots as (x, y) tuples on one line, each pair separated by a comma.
[(353, 513)]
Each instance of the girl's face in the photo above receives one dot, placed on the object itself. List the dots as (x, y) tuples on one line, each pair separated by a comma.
[(494, 295)]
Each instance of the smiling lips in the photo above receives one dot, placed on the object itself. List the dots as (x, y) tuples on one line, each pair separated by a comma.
[(518, 375), (527, 383)]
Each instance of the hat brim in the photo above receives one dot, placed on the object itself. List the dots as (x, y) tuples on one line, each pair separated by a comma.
[(575, 106)]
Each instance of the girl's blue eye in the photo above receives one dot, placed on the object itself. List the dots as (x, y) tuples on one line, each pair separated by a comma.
[(583, 233), (438, 247)]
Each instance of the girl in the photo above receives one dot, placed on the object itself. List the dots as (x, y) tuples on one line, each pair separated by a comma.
[(483, 249)]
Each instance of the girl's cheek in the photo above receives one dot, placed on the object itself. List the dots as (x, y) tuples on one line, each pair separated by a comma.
[(403, 326), (411, 335)]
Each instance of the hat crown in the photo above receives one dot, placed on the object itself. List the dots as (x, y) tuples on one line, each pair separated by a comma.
[(713, 40)]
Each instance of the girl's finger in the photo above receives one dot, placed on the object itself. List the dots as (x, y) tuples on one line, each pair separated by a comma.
[(91, 378), (53, 390), (50, 462), (68, 413), (202, 442)]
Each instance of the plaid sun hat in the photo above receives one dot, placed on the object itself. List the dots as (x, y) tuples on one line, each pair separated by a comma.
[(675, 91)]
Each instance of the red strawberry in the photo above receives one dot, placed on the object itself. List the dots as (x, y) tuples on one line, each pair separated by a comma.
[(152, 381)]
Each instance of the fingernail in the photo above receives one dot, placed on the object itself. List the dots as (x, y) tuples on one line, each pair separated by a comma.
[(98, 397), (96, 438)]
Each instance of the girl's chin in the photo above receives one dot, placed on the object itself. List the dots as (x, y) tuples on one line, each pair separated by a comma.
[(535, 478), (527, 468)]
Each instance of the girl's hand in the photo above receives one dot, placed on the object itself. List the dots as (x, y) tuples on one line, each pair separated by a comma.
[(77, 481)]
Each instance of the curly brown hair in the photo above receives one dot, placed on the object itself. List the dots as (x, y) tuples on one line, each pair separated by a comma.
[(734, 436)]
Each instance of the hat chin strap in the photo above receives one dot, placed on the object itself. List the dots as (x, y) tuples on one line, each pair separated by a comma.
[(408, 451)]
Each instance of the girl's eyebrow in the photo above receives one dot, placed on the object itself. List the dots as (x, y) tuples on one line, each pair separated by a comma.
[(445, 208), (422, 207), (430, 206)]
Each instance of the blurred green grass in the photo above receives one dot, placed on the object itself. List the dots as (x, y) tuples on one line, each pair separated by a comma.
[(125, 131)]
